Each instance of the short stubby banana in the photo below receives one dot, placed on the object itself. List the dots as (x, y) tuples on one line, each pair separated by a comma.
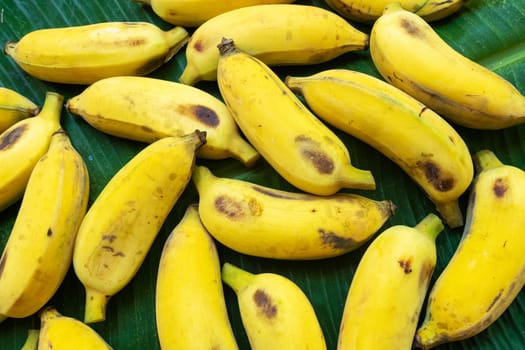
[(22, 145), (275, 312), (190, 306), (265, 222), (277, 34), (193, 13), (389, 287), (301, 148), (487, 270), (125, 218), (411, 55), (84, 54), (146, 109), (14, 107), (38, 252), (413, 136), (59, 332)]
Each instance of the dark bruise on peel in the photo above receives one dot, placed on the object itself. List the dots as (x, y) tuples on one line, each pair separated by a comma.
[(406, 265), (329, 238), (499, 188), (205, 115), (198, 46), (10, 139), (410, 27), (320, 160), (264, 303), (2, 263), (49, 232), (228, 207), (433, 175)]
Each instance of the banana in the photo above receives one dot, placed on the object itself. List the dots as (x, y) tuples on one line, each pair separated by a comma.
[(59, 332), (146, 109), (417, 139), (275, 312), (14, 107), (302, 149), (123, 221), (411, 55), (261, 221), (486, 272), (22, 145), (277, 34), (189, 270), (389, 286), (84, 54), (38, 252), (193, 13), (31, 342)]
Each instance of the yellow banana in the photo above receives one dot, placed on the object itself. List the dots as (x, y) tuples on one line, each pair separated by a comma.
[(123, 221), (411, 55), (302, 149), (486, 272), (146, 109), (22, 145), (87, 53), (190, 306), (38, 252), (421, 142), (261, 221), (14, 107), (59, 332), (275, 312), (193, 13), (31, 342), (389, 286), (277, 34)]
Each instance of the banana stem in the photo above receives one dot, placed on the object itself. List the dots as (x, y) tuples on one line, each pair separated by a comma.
[(237, 278), (451, 213), (431, 226), (96, 302), (31, 342), (486, 159), (176, 37), (52, 107)]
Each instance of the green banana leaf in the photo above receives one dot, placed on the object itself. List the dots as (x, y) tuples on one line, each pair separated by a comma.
[(491, 32)]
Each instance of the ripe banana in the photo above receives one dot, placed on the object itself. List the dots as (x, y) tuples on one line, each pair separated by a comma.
[(146, 109), (421, 142), (261, 221), (277, 34), (303, 150), (14, 107), (193, 13), (22, 145), (38, 252), (189, 270), (125, 218), (87, 53), (433, 72), (275, 312), (389, 286), (485, 273), (59, 332)]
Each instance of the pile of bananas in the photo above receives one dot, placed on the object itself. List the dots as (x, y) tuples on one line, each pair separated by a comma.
[(410, 112)]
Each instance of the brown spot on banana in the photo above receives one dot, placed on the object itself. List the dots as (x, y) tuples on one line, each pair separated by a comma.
[(433, 174), (264, 303), (2, 263), (406, 265), (410, 28), (198, 46), (312, 151), (235, 209), (205, 115), (12, 137), (109, 238), (499, 188), (49, 232), (335, 241)]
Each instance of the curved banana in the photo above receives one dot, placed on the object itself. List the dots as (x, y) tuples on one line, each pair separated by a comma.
[(146, 109), (261, 221), (417, 139), (125, 218), (87, 53), (38, 252), (193, 13), (275, 312), (22, 145), (277, 34), (486, 272), (389, 287), (189, 270), (303, 150), (14, 107), (409, 54)]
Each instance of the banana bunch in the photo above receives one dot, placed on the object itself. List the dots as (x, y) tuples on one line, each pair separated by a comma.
[(440, 77), (84, 54), (389, 286), (146, 109), (38, 252), (22, 145), (123, 221), (14, 107), (302, 149), (275, 312), (393, 122), (485, 274), (190, 307), (277, 34)]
